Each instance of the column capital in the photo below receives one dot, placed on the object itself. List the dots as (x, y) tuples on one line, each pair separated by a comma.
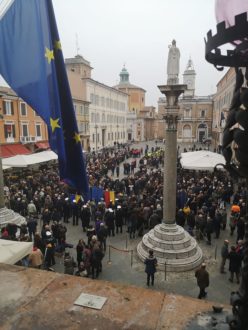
[(171, 120)]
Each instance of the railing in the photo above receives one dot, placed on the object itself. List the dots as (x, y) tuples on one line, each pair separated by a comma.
[(28, 139)]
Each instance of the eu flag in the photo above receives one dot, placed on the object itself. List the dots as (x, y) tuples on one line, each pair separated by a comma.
[(32, 63)]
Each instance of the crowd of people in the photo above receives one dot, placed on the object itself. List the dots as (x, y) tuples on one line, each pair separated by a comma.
[(49, 205)]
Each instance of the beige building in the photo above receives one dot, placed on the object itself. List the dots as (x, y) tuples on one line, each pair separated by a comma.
[(19, 125), (81, 107), (195, 114), (222, 101), (141, 118), (108, 107)]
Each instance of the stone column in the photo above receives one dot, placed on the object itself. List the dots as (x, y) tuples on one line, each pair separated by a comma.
[(170, 174), (172, 93)]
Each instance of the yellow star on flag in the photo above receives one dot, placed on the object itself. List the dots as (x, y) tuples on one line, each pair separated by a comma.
[(49, 55), (77, 137), (54, 124), (57, 45)]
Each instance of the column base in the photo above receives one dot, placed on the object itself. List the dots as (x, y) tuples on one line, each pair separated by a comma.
[(172, 245)]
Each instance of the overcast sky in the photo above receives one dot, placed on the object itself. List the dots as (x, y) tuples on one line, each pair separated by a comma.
[(137, 33)]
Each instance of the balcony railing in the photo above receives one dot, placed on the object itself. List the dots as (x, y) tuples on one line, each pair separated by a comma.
[(28, 139)]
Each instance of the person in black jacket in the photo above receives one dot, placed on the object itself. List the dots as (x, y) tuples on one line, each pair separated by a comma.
[(202, 277), (151, 263), (234, 264), (118, 219)]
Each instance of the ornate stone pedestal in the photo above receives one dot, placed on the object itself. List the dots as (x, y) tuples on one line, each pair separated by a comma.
[(172, 245)]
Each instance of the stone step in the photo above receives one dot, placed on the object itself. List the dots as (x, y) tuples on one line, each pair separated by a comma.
[(168, 244), (169, 253), (176, 235), (177, 265), (169, 227)]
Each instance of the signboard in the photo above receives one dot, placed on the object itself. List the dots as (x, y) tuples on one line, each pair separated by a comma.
[(91, 301)]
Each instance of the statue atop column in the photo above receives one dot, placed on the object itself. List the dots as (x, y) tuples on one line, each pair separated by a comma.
[(173, 64)]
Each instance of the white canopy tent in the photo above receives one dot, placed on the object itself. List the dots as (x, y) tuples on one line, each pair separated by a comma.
[(13, 251), (46, 156), (27, 160), (201, 160)]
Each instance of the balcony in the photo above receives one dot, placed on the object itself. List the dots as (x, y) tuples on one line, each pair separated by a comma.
[(28, 139)]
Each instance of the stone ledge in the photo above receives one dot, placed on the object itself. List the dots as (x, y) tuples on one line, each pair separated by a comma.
[(176, 244), (44, 300), (159, 248)]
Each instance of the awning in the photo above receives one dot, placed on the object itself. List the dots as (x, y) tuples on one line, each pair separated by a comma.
[(27, 160), (201, 160), (13, 251), (10, 150), (42, 145)]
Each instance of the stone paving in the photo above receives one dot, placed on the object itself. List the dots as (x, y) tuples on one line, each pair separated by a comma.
[(117, 267), (117, 264)]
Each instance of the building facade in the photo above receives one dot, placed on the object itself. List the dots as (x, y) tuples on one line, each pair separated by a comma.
[(140, 119), (195, 113), (19, 123), (108, 107), (81, 107), (222, 101)]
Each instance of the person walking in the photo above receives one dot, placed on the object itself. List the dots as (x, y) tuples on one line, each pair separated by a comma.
[(224, 256), (151, 263), (202, 277), (234, 264)]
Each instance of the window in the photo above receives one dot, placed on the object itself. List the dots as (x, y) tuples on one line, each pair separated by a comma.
[(98, 137), (25, 129), (203, 113), (93, 137), (36, 114), (38, 130), (9, 130), (96, 99), (187, 131), (75, 108), (86, 110), (187, 113), (8, 108), (23, 109), (102, 101)]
